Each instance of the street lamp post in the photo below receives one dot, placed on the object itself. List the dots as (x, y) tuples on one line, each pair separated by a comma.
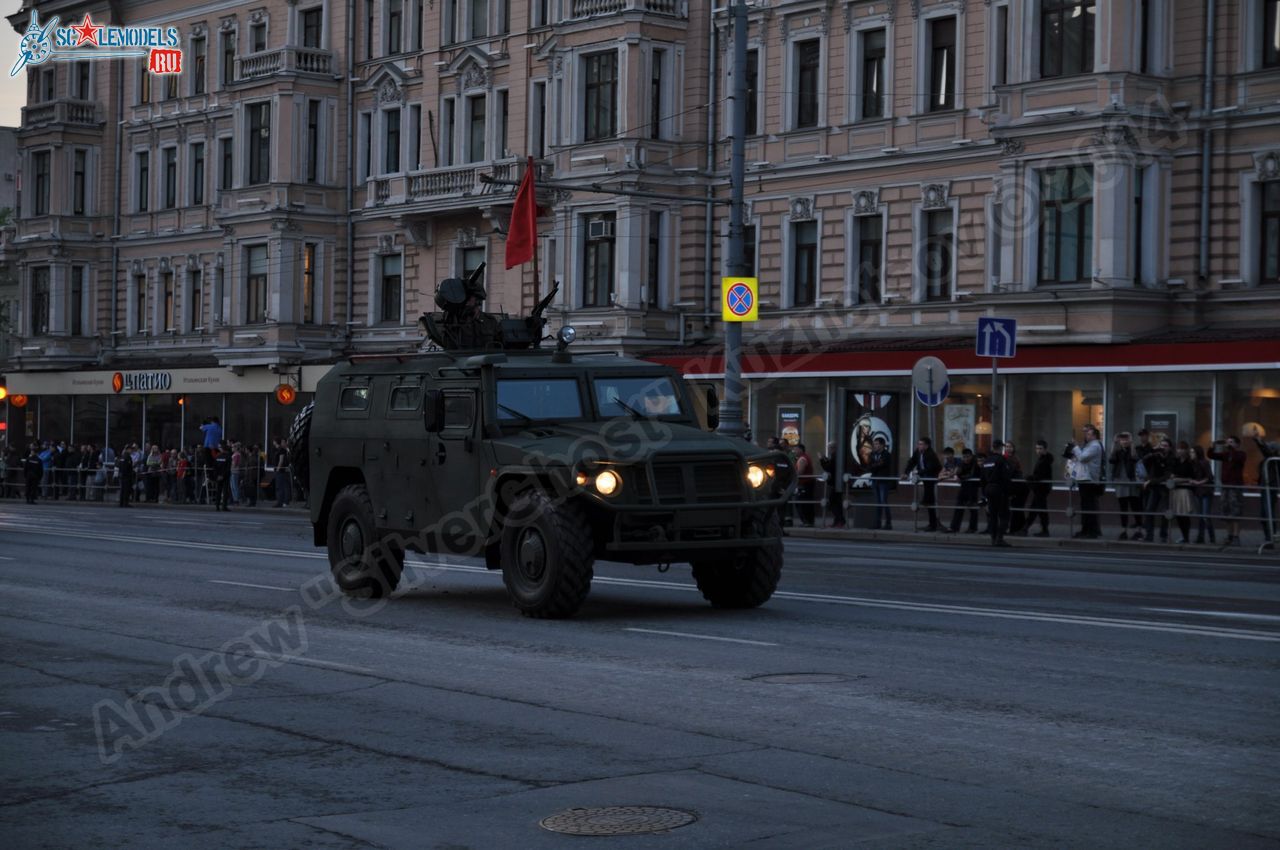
[(731, 423)]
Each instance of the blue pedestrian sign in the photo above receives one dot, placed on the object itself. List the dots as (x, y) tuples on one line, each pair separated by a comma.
[(997, 337)]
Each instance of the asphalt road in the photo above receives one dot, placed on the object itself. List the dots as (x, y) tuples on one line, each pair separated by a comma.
[(166, 683)]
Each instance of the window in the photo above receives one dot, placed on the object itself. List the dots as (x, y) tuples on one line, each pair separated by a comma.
[(395, 26), (1000, 47), (143, 185), (1271, 34), (392, 266), (257, 37), (78, 275), (870, 253), (313, 141), (227, 156), (804, 263), (415, 139), (655, 93), (170, 303), (417, 24), (195, 309), (942, 64), (309, 282), (541, 13), (447, 125), (649, 395), (653, 286), (170, 177), (140, 303), (501, 150), (1138, 212), (808, 59), (40, 301), (937, 255), (459, 409), (601, 101), (354, 398), (753, 92), (1271, 232), (79, 167), (198, 49), (228, 58), (144, 84), (197, 174), (406, 398), (538, 122), (312, 27), (597, 259), (873, 59), (479, 18), (259, 142), (80, 87), (366, 145), (256, 284), (171, 87), (40, 167), (1066, 37), (391, 141), (1066, 225), (368, 29), (475, 128), (471, 260), (558, 398)]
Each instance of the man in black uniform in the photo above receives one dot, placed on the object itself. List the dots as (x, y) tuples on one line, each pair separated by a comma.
[(925, 464), (996, 477), (124, 474), (32, 472), (222, 477)]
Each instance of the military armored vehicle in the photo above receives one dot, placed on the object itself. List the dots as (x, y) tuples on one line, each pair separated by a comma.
[(541, 460)]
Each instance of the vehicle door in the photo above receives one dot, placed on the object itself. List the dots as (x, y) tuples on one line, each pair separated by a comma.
[(459, 468), (403, 446)]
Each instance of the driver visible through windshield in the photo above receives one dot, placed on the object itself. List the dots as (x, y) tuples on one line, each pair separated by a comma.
[(638, 396)]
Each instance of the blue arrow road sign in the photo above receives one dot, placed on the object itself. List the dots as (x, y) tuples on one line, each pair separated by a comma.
[(997, 337)]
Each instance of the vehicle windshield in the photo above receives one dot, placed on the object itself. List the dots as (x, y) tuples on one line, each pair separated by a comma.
[(638, 396), (536, 399)]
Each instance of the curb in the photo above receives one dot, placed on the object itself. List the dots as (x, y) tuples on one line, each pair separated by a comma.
[(166, 506)]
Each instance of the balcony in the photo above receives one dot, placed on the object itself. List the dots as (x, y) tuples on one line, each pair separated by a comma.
[(593, 8), (454, 187), (285, 60), (64, 110)]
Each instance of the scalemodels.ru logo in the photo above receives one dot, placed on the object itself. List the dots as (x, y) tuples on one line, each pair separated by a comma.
[(88, 40)]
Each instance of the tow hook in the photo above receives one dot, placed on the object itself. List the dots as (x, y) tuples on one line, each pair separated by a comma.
[(662, 568)]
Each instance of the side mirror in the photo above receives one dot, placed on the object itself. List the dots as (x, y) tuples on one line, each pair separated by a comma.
[(433, 411), (713, 409)]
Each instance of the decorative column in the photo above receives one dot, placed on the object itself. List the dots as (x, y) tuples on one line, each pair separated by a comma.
[(1113, 155)]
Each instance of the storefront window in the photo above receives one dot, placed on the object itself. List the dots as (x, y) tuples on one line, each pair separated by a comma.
[(90, 420), (246, 414), (125, 417), (964, 420), (1249, 401), (794, 409), (55, 418), (195, 410), (1053, 408), (1172, 405), (870, 408), (164, 421)]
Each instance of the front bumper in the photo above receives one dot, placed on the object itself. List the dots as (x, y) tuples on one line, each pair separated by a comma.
[(641, 529)]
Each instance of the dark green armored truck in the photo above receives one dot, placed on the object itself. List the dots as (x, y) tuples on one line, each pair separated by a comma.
[(541, 461)]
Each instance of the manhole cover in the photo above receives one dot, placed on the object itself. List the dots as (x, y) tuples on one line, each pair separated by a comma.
[(617, 820), (800, 678)]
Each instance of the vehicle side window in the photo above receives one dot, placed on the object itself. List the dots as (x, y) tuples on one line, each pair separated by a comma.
[(354, 398), (406, 397), (459, 410)]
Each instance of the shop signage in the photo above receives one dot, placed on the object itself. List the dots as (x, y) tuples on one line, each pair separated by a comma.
[(141, 382)]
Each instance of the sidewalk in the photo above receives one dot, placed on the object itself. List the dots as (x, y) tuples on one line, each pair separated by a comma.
[(267, 506)]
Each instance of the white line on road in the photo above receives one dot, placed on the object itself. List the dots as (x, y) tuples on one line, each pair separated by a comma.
[(1235, 615), (701, 637), (246, 584), (7, 558)]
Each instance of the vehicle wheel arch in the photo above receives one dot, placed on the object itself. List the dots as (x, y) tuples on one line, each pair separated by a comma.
[(339, 477)]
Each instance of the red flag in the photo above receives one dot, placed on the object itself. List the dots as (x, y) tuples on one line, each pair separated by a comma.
[(522, 235)]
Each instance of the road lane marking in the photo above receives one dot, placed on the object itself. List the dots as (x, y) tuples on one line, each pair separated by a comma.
[(865, 602), (701, 637), (7, 558), (246, 584), (1235, 615)]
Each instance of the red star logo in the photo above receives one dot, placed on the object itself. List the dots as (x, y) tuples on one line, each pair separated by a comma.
[(87, 32)]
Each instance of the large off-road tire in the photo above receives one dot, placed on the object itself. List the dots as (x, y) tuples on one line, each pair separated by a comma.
[(364, 566), (299, 447), (745, 579), (547, 556)]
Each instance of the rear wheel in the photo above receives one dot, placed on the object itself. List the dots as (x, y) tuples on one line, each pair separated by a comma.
[(364, 566), (547, 556), (745, 579)]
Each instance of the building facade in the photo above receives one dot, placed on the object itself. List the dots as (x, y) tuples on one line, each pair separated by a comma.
[(1106, 172)]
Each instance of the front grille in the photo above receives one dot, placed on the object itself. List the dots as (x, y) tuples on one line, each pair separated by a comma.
[(690, 481), (720, 481), (669, 484)]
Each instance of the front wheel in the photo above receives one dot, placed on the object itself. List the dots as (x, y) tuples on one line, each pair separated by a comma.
[(743, 580), (547, 556), (364, 566)]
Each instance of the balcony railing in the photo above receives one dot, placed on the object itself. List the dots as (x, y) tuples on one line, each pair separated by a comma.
[(302, 60), (62, 111), (591, 8)]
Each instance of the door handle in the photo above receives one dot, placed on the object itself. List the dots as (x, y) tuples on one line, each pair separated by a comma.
[(440, 454)]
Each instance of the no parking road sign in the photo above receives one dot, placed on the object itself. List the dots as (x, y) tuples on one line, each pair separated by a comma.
[(740, 301)]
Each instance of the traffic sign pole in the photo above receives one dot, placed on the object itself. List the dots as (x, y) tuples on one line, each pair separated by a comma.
[(731, 424), (995, 402)]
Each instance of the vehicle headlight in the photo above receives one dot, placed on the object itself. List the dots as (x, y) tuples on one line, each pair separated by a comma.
[(582, 478), (756, 476), (608, 483)]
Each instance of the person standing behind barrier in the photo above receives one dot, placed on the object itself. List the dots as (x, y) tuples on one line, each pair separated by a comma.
[(1232, 459), (996, 476), (32, 473), (1041, 483), (1088, 478), (221, 477), (1156, 488), (1182, 501), (925, 464), (1268, 482), (153, 467), (880, 465), (1018, 491), (969, 475), (124, 475), (1204, 494), (834, 486), (804, 486), (1124, 472), (237, 472), (284, 494)]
